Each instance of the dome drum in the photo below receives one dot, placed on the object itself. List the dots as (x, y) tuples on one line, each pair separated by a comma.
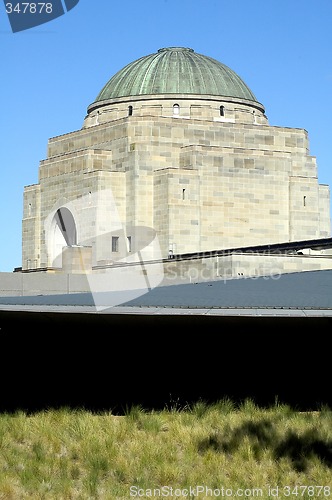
[(207, 107)]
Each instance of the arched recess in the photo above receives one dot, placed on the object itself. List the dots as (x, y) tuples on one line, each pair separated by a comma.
[(64, 234)]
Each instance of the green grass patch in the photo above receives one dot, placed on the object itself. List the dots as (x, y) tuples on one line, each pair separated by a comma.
[(202, 451)]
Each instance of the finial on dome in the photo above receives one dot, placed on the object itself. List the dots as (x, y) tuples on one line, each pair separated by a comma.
[(177, 49)]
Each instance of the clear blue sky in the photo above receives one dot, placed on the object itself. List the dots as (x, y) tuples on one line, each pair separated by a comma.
[(50, 74)]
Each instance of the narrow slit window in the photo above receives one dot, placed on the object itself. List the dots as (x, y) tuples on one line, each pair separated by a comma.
[(176, 109), (222, 110), (115, 243), (183, 193), (130, 111), (304, 200), (129, 243)]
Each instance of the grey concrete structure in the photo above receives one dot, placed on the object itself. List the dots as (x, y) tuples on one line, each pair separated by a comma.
[(292, 294)]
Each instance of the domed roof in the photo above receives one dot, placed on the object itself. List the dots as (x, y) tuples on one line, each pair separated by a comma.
[(176, 70)]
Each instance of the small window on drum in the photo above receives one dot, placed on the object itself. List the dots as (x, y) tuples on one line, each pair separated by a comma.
[(222, 110), (130, 111), (129, 243), (176, 109)]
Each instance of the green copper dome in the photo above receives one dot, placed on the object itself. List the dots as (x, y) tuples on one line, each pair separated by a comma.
[(176, 70)]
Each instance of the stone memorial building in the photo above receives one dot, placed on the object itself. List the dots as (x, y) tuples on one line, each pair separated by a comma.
[(175, 150)]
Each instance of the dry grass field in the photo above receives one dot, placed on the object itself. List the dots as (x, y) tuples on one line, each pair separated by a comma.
[(202, 451)]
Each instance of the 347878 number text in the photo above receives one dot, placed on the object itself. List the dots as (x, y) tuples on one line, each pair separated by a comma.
[(29, 8)]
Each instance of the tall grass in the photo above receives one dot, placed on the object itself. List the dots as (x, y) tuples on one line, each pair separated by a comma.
[(66, 454)]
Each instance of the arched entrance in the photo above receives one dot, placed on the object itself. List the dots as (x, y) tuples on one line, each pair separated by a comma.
[(64, 234)]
